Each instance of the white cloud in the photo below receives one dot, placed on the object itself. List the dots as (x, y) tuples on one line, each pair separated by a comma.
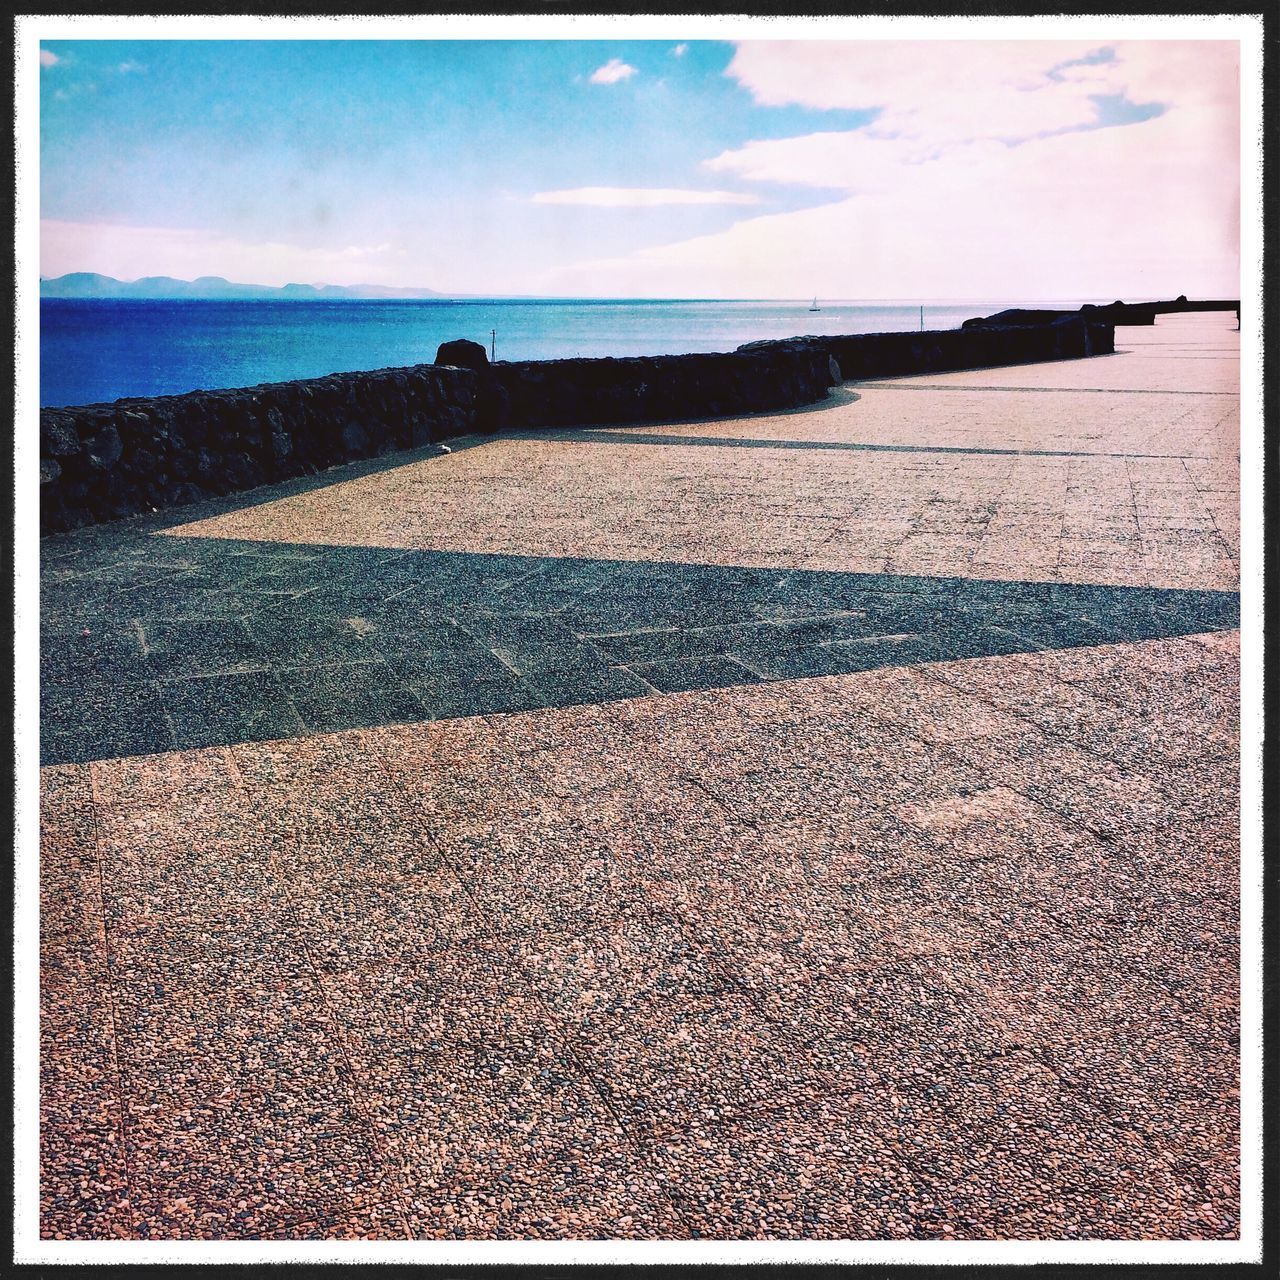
[(956, 102), (848, 161), (365, 250), (936, 93), (48, 58), (640, 197), (1148, 210), (612, 72), (857, 75), (680, 50), (130, 68), (1184, 73), (128, 252)]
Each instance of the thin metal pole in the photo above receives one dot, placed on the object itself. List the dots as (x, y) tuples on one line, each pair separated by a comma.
[(493, 344), (922, 318)]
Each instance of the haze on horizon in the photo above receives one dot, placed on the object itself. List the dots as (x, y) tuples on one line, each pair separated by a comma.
[(762, 169)]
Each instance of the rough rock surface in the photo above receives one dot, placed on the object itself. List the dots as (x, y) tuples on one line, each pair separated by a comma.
[(105, 461), (492, 403), (756, 377), (974, 346)]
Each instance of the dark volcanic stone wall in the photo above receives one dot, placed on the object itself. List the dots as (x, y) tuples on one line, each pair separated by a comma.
[(561, 393), (894, 355), (101, 462), (104, 461), (1113, 313)]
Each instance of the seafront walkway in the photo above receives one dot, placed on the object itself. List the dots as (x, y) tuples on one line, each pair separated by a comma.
[(817, 825)]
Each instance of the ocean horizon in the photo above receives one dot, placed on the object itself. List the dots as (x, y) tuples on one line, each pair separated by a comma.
[(99, 350)]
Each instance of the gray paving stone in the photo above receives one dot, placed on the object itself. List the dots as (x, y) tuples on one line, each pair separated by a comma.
[(179, 649), (101, 722), (207, 711), (350, 695)]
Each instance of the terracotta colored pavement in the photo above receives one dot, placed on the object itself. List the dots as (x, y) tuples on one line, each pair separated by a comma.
[(947, 950)]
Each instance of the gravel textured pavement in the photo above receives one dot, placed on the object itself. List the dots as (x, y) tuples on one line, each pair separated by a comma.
[(814, 826)]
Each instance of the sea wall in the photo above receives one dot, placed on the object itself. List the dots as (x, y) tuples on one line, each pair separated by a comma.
[(894, 355), (1113, 313), (562, 393), (106, 461)]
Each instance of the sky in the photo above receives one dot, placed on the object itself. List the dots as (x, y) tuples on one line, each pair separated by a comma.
[(862, 169)]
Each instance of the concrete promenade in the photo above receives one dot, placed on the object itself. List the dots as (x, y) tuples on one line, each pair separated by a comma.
[(811, 826)]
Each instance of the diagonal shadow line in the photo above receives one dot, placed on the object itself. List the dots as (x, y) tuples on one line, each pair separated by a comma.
[(631, 436), (176, 643), (1054, 391)]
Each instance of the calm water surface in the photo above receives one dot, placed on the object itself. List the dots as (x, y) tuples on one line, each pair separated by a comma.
[(99, 350)]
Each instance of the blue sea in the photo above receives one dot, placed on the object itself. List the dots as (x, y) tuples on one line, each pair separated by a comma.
[(94, 350)]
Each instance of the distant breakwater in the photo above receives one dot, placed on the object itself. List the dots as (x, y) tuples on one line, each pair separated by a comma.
[(109, 461)]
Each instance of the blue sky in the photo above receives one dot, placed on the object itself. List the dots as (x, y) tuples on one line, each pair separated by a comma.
[(581, 167)]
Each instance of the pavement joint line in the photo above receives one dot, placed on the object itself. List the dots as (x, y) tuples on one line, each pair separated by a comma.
[(240, 669), (777, 624), (734, 656), (504, 659), (1048, 391), (854, 640), (631, 671), (639, 631), (634, 436), (392, 595)]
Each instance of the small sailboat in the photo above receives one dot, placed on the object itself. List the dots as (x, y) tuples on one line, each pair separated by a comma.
[(815, 306)]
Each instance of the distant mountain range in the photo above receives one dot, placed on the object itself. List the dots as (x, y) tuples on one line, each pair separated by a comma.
[(88, 284)]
